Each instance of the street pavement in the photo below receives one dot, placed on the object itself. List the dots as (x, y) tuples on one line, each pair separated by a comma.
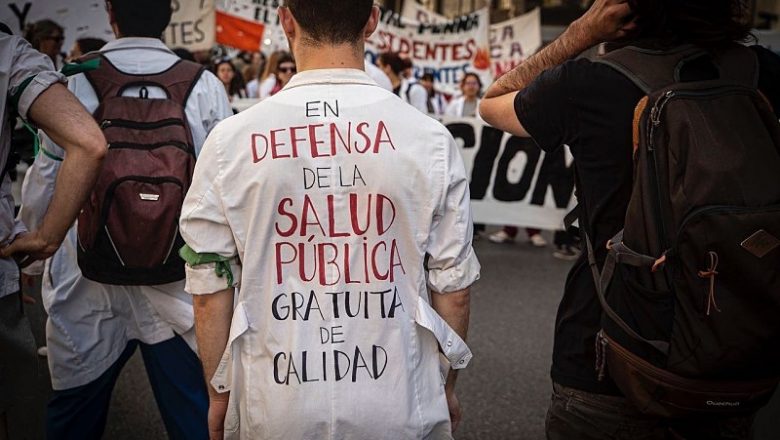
[(505, 390)]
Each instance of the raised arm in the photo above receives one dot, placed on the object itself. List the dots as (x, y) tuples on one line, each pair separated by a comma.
[(606, 20)]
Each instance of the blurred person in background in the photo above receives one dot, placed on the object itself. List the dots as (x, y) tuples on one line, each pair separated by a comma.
[(267, 80), (285, 70), (46, 36), (436, 101), (85, 45), (412, 93), (228, 76), (253, 70), (468, 103)]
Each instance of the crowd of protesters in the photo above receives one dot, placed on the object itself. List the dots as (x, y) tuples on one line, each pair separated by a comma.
[(198, 313)]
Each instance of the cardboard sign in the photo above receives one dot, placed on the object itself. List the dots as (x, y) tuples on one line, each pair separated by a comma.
[(192, 25)]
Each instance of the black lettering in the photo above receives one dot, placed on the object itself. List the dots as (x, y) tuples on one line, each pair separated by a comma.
[(21, 15), (483, 162), (506, 191), (555, 174)]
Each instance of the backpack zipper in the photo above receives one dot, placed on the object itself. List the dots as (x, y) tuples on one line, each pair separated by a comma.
[(106, 123), (655, 116)]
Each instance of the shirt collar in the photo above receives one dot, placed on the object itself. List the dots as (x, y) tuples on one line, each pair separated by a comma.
[(135, 43), (330, 76)]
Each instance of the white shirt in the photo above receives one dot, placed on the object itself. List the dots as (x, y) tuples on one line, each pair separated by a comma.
[(253, 89), (18, 62), (455, 107), (378, 76), (267, 86), (413, 93), (406, 197), (90, 323)]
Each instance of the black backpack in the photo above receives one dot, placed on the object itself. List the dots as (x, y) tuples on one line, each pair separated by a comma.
[(691, 287)]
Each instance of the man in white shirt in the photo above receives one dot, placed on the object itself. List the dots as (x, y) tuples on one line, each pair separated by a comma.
[(407, 89), (331, 194), (31, 88), (94, 328)]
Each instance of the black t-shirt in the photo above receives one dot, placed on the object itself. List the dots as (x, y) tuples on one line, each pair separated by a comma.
[(590, 107)]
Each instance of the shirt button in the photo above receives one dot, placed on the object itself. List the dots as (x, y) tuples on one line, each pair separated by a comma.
[(449, 343), (462, 361)]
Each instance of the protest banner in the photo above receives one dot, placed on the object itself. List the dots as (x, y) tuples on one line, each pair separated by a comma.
[(513, 182), (79, 18), (447, 50), (511, 41), (262, 12), (192, 24)]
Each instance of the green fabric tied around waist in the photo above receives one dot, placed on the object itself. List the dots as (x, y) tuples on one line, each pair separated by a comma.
[(222, 264)]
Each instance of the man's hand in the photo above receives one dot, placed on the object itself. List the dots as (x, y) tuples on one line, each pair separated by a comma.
[(606, 20), (30, 247), (217, 410), (456, 414)]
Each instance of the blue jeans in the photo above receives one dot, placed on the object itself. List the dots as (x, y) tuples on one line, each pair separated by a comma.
[(176, 376), (579, 415)]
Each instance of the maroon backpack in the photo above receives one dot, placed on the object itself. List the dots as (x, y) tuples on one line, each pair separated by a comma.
[(691, 287), (128, 230)]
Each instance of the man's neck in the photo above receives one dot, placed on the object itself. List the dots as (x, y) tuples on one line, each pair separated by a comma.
[(344, 56)]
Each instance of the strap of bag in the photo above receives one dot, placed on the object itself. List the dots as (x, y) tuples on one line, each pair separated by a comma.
[(619, 253), (178, 80), (653, 70)]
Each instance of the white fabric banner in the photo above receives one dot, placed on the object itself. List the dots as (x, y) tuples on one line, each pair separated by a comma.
[(263, 11), (514, 182), (192, 24), (448, 50), (512, 41)]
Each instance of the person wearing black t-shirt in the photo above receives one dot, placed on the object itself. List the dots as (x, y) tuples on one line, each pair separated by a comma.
[(561, 100)]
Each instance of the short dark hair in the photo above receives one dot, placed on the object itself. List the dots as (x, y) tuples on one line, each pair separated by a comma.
[(427, 76), (87, 45), (393, 60), (141, 18), (472, 75), (701, 22), (332, 21)]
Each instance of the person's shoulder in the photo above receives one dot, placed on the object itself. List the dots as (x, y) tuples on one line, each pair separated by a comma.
[(766, 58)]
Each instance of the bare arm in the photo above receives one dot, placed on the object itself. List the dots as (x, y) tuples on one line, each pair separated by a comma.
[(62, 117), (604, 21), (213, 314), (454, 308)]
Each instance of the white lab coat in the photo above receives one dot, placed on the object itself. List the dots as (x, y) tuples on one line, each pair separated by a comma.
[(90, 323), (413, 93), (286, 364), (455, 107)]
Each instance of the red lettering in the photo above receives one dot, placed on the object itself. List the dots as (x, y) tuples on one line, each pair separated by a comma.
[(283, 212), (256, 157), (314, 142), (332, 220), (309, 206), (334, 131), (374, 268), (353, 209), (274, 152), (294, 139), (280, 262), (323, 263), (382, 135), (360, 129)]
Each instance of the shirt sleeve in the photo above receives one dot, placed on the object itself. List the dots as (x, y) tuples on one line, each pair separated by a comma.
[(452, 264), (544, 108), (205, 228), (418, 97), (31, 74), (769, 73), (210, 101)]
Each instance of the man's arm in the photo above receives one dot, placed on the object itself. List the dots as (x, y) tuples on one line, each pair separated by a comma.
[(454, 308), (213, 314), (62, 117), (604, 21)]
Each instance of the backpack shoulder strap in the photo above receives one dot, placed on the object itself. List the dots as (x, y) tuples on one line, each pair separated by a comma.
[(653, 70), (178, 80)]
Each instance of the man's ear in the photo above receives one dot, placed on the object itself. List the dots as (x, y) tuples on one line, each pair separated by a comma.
[(287, 21), (373, 22)]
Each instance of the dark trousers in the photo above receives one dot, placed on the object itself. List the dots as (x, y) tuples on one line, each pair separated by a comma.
[(18, 369), (578, 415), (176, 376)]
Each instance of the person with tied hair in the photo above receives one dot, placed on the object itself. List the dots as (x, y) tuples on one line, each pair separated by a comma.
[(94, 327), (335, 324), (560, 99)]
